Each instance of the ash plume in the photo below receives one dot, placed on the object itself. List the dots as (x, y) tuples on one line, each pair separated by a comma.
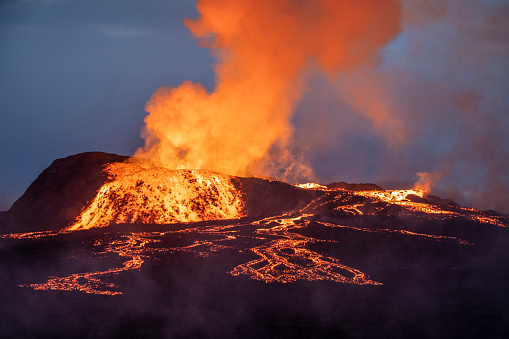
[(452, 90), (265, 51), (365, 92), (435, 102)]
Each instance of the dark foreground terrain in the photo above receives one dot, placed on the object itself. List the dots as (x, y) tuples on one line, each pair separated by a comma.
[(344, 264)]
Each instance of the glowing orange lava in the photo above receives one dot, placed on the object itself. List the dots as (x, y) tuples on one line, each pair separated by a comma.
[(401, 198), (288, 260), (160, 196), (281, 253), (131, 247)]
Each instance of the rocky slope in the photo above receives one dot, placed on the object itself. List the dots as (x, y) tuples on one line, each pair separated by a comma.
[(160, 253), (59, 193), (96, 189)]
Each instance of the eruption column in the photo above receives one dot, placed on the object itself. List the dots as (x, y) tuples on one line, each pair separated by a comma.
[(265, 50)]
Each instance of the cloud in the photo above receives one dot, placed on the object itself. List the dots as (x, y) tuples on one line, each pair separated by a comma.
[(436, 102)]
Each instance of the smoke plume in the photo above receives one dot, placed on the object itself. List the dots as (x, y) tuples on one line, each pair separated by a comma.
[(436, 103), (449, 87), (265, 51), (365, 91)]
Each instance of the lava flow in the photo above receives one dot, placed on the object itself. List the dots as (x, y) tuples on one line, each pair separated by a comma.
[(206, 214), (93, 282), (286, 258), (283, 255)]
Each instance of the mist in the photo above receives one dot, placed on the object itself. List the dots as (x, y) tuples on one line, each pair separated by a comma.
[(435, 104)]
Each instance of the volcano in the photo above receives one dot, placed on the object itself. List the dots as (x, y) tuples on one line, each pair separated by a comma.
[(99, 246)]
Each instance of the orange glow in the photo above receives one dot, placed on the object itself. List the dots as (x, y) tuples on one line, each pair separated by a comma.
[(282, 254), (163, 196), (288, 260), (132, 248), (393, 196), (311, 186), (427, 181), (160, 196), (400, 198), (28, 235), (264, 51)]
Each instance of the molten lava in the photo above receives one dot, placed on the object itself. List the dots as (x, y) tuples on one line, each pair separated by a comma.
[(160, 196), (281, 248), (286, 258)]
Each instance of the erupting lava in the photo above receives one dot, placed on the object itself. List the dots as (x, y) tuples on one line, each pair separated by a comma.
[(282, 248), (160, 196)]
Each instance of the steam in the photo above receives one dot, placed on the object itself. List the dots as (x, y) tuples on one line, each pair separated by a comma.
[(435, 103), (371, 90), (455, 96), (265, 51), (427, 181)]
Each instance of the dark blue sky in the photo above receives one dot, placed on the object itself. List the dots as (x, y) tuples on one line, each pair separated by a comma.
[(75, 76)]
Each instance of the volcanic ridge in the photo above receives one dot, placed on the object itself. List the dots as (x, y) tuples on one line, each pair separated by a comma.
[(106, 220)]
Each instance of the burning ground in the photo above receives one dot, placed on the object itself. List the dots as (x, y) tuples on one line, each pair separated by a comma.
[(258, 256)]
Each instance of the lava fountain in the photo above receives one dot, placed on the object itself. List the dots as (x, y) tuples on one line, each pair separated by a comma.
[(160, 196)]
